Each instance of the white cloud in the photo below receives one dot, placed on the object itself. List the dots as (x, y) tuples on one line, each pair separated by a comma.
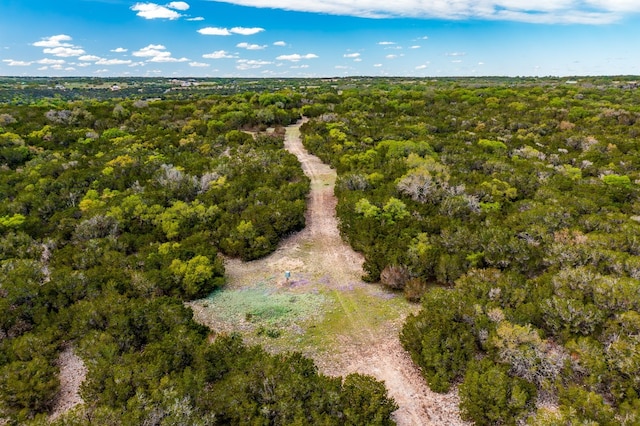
[(91, 58), (49, 61), (119, 50), (246, 64), (415, 46), (14, 63), (84, 64), (421, 67), (69, 69), (102, 71), (386, 43), (391, 56), (197, 18), (43, 68), (167, 59), (456, 61), (64, 52), (351, 55), (377, 65), (219, 54), (246, 31), (198, 64), (103, 61), (456, 54), (54, 41), (217, 31), (157, 53), (279, 43), (214, 31), (251, 46), (178, 5), (357, 60), (296, 57), (154, 11), (533, 11), (57, 46), (151, 51)]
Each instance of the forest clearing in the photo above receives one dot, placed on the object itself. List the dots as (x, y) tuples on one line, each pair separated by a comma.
[(353, 328)]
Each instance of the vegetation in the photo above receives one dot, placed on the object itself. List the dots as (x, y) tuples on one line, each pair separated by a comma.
[(511, 211), (509, 207), (115, 212)]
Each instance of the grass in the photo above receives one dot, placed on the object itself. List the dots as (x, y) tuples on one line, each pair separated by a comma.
[(263, 310), (315, 319)]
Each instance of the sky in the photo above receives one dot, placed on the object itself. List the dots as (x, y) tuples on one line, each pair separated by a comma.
[(319, 38)]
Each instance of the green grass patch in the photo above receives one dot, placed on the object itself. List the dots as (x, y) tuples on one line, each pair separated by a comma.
[(264, 306)]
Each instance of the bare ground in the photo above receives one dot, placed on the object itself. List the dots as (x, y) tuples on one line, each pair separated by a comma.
[(366, 341), (72, 374)]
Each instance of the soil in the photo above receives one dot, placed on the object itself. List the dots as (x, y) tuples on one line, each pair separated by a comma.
[(366, 341), (72, 374)]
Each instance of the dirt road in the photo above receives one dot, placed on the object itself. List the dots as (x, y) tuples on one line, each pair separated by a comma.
[(357, 328)]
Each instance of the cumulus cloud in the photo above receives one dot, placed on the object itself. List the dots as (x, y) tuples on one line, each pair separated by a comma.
[(386, 43), (198, 64), (54, 41), (64, 52), (246, 31), (151, 50), (456, 53), (155, 11), (49, 61), (214, 31), (533, 11), (119, 50), (251, 46), (421, 67), (178, 5), (14, 63), (296, 57), (157, 53), (103, 61), (279, 43), (57, 46), (351, 55), (217, 31), (247, 64), (219, 54), (196, 18), (91, 58)]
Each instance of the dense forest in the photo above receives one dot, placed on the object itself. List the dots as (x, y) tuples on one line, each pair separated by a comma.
[(115, 212), (511, 212), (507, 207)]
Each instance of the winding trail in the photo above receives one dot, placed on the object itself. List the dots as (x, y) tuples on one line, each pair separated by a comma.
[(370, 318)]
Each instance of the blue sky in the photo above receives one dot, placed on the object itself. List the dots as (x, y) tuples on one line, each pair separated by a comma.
[(319, 38)]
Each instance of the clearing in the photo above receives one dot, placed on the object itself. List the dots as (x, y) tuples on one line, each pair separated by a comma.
[(324, 310)]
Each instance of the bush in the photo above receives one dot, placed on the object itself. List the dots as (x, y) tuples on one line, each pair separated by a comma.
[(489, 396)]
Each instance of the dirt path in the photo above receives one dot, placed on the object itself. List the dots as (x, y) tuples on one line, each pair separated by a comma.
[(72, 374), (357, 330)]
